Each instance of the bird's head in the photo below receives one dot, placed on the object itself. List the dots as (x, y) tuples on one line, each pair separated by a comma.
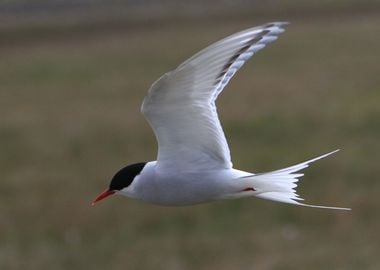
[(121, 180)]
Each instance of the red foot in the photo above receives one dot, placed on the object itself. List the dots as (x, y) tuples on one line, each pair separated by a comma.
[(249, 189)]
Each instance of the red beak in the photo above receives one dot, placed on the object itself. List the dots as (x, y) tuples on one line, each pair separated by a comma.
[(103, 195)]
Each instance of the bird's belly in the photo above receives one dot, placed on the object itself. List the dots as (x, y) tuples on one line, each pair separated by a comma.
[(187, 189)]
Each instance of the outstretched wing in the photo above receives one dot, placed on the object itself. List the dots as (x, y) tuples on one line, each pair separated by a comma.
[(180, 106)]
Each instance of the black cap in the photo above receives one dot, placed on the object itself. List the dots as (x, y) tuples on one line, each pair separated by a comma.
[(125, 176)]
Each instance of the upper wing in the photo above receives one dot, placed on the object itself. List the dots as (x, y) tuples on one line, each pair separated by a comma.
[(180, 106)]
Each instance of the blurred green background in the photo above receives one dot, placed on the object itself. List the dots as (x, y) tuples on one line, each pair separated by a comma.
[(72, 77)]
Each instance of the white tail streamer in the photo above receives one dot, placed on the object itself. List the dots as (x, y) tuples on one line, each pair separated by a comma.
[(280, 185)]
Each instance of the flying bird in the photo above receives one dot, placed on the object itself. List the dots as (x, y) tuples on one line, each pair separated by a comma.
[(194, 163)]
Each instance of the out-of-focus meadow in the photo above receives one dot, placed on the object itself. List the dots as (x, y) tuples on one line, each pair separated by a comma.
[(70, 94)]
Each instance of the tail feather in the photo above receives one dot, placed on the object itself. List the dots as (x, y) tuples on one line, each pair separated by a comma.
[(280, 185)]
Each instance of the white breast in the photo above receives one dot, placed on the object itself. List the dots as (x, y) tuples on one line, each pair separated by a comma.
[(183, 188)]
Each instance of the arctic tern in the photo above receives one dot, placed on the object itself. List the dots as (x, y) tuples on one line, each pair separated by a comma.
[(194, 164)]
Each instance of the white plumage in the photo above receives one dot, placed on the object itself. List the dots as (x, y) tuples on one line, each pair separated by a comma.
[(180, 106), (194, 163)]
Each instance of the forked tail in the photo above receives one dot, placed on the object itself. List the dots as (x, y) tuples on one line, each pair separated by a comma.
[(281, 185)]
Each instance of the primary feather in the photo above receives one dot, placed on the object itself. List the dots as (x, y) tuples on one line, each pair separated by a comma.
[(180, 106)]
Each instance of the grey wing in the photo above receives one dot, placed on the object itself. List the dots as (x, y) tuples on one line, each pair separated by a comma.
[(180, 106)]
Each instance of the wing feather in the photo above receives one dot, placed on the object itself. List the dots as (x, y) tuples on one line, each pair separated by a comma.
[(180, 106)]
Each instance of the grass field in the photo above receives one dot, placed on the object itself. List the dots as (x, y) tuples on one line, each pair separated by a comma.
[(69, 106)]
